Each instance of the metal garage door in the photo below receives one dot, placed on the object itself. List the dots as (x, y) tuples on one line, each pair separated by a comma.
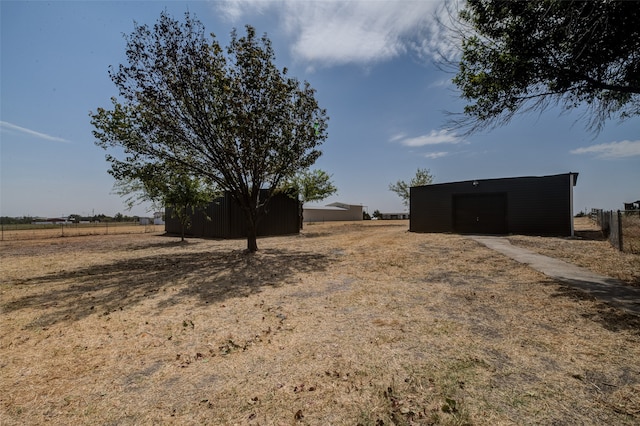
[(480, 213)]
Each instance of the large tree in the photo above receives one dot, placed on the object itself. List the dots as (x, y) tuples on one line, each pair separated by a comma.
[(229, 116), (520, 56)]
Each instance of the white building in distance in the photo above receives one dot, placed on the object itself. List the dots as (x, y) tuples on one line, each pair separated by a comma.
[(331, 212)]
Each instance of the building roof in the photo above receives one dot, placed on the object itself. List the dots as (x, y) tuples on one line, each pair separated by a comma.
[(315, 207), (333, 206), (573, 174)]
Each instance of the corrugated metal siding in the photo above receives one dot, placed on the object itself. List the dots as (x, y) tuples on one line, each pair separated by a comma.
[(430, 208), (212, 222), (223, 218), (216, 221), (535, 205), (480, 213), (541, 206), (237, 227), (282, 216)]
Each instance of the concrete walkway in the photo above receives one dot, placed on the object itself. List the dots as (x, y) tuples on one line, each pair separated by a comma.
[(609, 290)]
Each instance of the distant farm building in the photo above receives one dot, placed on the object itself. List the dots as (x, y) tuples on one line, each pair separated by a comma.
[(632, 206), (541, 205), (155, 220), (394, 216), (158, 218), (50, 221), (223, 218), (332, 212)]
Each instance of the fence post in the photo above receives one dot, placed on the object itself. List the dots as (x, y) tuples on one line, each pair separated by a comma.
[(619, 230)]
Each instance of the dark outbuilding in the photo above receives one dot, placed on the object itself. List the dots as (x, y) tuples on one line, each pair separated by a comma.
[(533, 205), (224, 218)]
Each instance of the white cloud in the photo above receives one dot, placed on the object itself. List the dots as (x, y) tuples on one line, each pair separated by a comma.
[(333, 32), (439, 38), (441, 83), (233, 10), (621, 149), (435, 137), (9, 126), (434, 155), (397, 137)]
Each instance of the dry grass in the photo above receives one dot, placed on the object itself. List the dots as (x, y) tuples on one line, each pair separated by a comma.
[(631, 232), (588, 249), (361, 323), (37, 232)]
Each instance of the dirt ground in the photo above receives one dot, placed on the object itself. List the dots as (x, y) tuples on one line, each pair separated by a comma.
[(346, 323)]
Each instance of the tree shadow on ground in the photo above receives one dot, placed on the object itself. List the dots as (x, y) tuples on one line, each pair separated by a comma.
[(614, 319), (610, 317), (207, 277), (169, 243)]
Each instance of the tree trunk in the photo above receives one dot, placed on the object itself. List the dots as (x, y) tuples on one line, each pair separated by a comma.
[(252, 231), (252, 241), (253, 216)]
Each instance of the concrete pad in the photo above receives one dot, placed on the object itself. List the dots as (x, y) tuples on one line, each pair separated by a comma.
[(609, 290)]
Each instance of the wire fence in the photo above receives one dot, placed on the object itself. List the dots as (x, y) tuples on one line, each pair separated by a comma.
[(622, 228), (15, 232)]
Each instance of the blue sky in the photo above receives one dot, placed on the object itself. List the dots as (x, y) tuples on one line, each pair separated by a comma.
[(370, 62)]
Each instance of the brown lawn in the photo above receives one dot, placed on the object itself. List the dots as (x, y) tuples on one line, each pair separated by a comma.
[(347, 323)]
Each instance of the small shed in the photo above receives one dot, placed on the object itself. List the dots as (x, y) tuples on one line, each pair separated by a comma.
[(224, 218), (532, 205), (332, 212)]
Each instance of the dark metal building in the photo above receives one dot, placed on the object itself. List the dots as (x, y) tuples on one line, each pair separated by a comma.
[(223, 218), (535, 205)]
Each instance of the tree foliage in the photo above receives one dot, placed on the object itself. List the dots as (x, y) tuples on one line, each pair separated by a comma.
[(141, 183), (227, 116), (185, 194), (6, 220), (402, 188), (165, 186), (308, 186), (311, 185), (519, 56)]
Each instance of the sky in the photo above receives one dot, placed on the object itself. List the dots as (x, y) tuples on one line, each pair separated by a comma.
[(371, 62)]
